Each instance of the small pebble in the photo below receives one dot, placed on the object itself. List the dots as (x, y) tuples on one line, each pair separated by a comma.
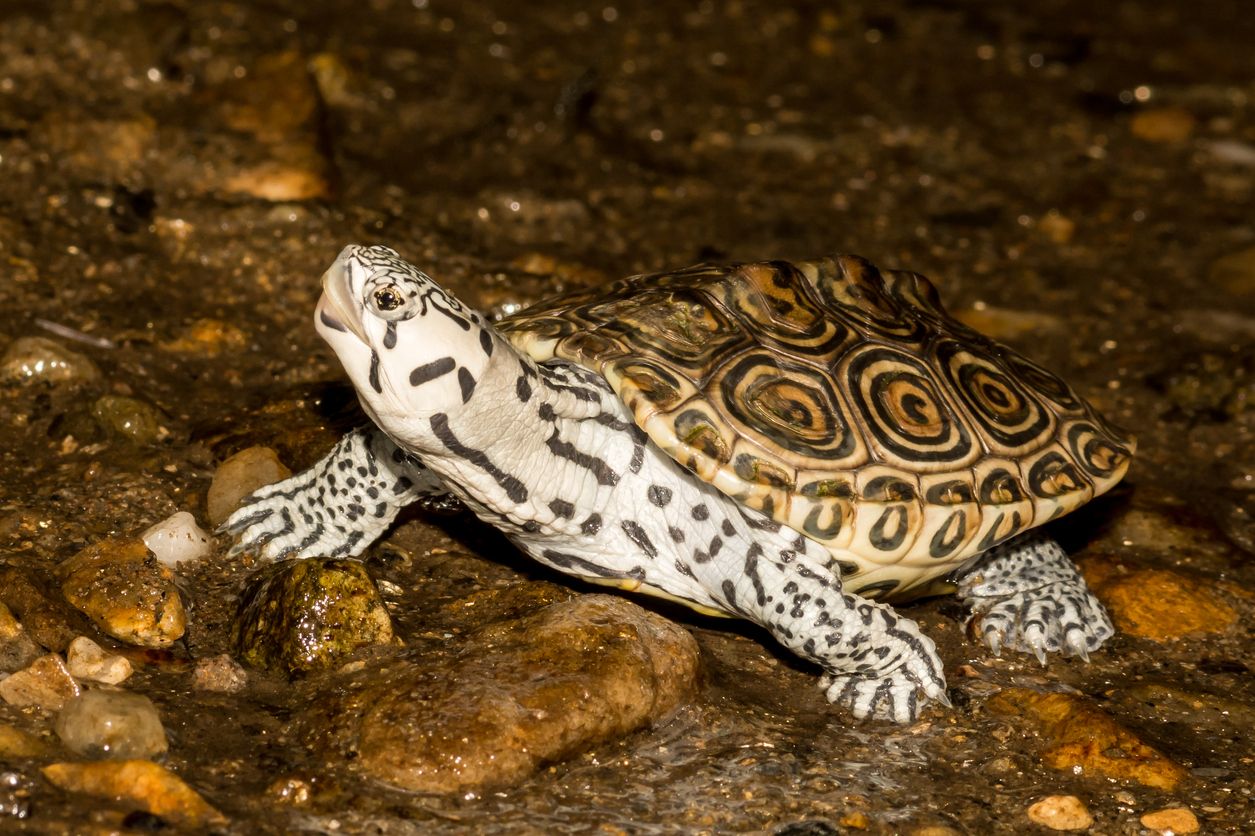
[(1061, 812), (17, 648), (1232, 151), (239, 476), (1171, 820), (207, 338), (87, 660), (130, 419), (219, 673), (49, 622), (143, 783), (46, 684), (1056, 227), (1163, 124), (107, 723), (122, 588), (299, 616), (177, 539), (41, 360), (16, 743)]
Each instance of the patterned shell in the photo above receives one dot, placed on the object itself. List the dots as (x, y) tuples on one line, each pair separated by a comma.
[(842, 401)]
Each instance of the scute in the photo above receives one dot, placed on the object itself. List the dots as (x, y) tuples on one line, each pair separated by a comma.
[(840, 400)]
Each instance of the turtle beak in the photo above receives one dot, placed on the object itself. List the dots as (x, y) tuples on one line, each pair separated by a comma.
[(337, 309)]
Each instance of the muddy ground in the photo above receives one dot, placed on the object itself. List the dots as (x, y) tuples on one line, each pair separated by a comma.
[(1078, 178)]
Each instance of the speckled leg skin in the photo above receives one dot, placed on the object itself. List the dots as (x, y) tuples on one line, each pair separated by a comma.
[(339, 506), (876, 662), (1027, 595)]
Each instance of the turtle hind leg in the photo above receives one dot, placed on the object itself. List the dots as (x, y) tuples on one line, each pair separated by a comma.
[(1027, 595), (877, 664)]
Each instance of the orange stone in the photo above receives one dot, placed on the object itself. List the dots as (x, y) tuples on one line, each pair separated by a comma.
[(1157, 604), (147, 785), (1082, 736)]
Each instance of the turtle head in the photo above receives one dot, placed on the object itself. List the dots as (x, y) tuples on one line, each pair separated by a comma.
[(410, 348)]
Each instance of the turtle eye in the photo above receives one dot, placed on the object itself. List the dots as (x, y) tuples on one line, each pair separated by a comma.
[(388, 301)]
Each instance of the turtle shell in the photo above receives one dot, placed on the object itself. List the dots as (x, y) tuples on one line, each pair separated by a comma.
[(842, 401)]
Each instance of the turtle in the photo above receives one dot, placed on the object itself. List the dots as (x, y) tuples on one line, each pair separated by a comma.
[(801, 445)]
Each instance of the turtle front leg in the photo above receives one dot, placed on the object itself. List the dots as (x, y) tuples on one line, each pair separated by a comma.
[(1026, 594), (337, 507), (876, 663)]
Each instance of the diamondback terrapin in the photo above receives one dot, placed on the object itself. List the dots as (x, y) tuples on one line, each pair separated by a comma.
[(778, 442)]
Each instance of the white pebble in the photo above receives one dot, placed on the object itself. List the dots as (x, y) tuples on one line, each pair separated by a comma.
[(112, 724), (87, 660), (177, 539)]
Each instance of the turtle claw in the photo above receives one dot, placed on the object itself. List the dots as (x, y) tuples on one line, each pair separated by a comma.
[(1058, 618), (1026, 595), (1040, 654)]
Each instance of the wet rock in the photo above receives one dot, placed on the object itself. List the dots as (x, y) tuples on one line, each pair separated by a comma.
[(856, 820), (1171, 820), (87, 660), (142, 783), (1208, 385), (334, 79), (517, 694), (108, 723), (41, 360), (1235, 273), (239, 476), (294, 174), (276, 105), (1163, 124), (275, 100), (207, 338), (122, 588), (219, 673), (1192, 706), (1160, 529), (1061, 812), (131, 420), (45, 683), (17, 648), (177, 539), (50, 623), (99, 150), (300, 616), (1007, 324), (1157, 604), (1082, 738), (16, 743)]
